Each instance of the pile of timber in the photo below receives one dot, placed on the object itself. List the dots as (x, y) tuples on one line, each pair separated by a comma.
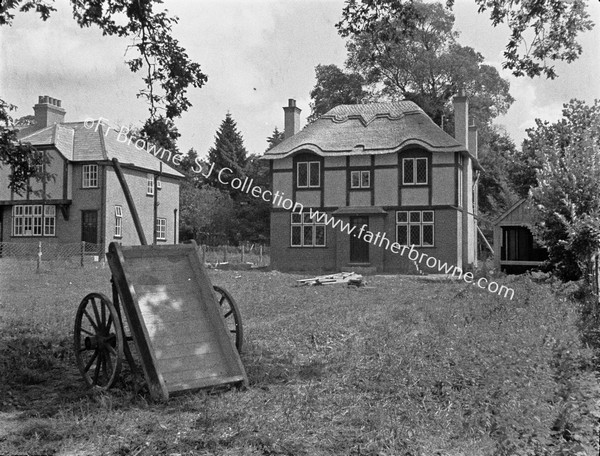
[(349, 278)]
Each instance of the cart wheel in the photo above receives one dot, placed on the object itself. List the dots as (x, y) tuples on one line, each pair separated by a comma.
[(232, 316), (98, 341)]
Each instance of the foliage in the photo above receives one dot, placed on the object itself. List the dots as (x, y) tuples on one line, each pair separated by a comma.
[(275, 138), (334, 87), (566, 194), (551, 27), (427, 65), (162, 132)]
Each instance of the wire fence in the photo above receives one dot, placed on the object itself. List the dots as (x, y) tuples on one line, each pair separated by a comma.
[(252, 255), (50, 254)]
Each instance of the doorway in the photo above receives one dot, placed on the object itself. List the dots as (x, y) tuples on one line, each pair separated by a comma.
[(359, 249), (89, 226)]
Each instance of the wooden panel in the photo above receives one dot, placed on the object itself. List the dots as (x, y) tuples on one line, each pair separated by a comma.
[(173, 300)]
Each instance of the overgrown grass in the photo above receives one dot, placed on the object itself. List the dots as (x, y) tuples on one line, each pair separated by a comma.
[(408, 367)]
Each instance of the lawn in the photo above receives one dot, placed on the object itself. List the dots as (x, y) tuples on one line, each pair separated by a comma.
[(405, 366)]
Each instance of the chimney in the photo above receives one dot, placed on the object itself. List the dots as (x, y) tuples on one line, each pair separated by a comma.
[(291, 119), (473, 140), (461, 118), (48, 112)]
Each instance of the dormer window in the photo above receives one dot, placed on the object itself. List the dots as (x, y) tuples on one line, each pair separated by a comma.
[(414, 171), (308, 174)]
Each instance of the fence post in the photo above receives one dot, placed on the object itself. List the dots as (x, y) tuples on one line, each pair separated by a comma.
[(261, 254), (225, 252), (82, 252), (39, 256), (242, 253)]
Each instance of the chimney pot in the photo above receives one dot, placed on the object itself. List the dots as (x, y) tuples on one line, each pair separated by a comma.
[(291, 103), (48, 111)]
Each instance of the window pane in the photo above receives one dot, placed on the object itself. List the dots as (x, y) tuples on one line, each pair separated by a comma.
[(401, 217), (296, 235), (303, 174), (402, 234), (320, 235), (315, 177), (308, 235), (365, 179), (355, 179), (296, 218), (415, 234), (408, 164), (307, 218), (427, 234), (415, 217), (427, 216), (421, 170)]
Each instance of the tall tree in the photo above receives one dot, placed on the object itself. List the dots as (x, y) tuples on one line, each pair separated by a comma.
[(566, 191), (168, 71), (275, 138), (550, 26), (334, 87), (427, 65), (228, 152)]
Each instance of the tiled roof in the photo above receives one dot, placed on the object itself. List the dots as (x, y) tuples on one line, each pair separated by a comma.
[(365, 129), (77, 142)]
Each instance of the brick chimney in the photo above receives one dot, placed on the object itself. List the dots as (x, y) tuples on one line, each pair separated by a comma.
[(461, 118), (291, 119), (48, 112)]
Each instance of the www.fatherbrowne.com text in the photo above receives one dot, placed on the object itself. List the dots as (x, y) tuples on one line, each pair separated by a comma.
[(246, 185)]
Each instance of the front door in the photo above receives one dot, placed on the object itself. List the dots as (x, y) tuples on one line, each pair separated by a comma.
[(359, 249), (89, 226)]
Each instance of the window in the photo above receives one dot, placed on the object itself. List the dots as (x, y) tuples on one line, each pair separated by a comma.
[(118, 221), (360, 179), (34, 220), (414, 171), (308, 174), (90, 176), (161, 229), (459, 177), (150, 184), (415, 228), (307, 232)]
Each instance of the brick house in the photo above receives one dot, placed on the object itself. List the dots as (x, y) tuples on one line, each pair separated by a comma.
[(386, 167), (84, 200)]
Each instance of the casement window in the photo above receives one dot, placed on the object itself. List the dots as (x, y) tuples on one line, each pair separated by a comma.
[(118, 221), (34, 220), (307, 232), (90, 176), (150, 184), (308, 174), (414, 171), (415, 228), (161, 229), (460, 183), (360, 179)]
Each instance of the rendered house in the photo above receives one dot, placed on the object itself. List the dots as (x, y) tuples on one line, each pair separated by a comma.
[(382, 167), (516, 249), (84, 200)]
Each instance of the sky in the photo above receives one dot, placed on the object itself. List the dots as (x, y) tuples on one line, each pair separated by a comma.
[(257, 54)]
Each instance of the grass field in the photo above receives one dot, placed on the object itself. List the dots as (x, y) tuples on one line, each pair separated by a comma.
[(406, 367)]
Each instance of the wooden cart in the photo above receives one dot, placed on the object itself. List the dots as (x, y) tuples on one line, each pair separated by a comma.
[(187, 332)]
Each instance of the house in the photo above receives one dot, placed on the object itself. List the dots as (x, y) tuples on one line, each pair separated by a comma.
[(84, 201), (516, 249), (383, 167)]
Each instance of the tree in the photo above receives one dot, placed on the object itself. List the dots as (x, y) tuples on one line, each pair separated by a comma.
[(168, 70), (427, 65), (551, 27), (566, 191), (334, 87), (275, 138), (228, 152)]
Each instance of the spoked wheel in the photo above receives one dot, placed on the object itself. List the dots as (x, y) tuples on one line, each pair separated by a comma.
[(98, 341), (232, 316)]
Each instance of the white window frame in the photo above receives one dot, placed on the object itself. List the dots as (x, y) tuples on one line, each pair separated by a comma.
[(308, 174), (161, 229), (34, 220), (360, 174), (118, 221), (301, 221), (415, 161), (403, 219), (89, 176), (150, 184)]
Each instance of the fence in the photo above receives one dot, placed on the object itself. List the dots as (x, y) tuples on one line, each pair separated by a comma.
[(246, 253), (51, 253)]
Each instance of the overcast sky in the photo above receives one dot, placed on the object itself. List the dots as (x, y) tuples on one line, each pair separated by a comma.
[(257, 54)]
